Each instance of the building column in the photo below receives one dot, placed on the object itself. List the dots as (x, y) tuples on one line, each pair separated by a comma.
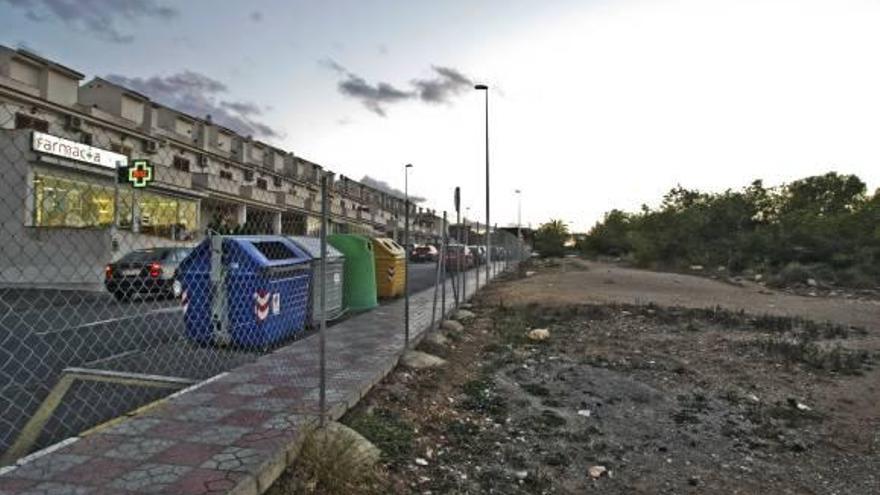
[(241, 214), (276, 223)]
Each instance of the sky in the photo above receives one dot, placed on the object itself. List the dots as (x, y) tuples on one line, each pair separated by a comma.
[(593, 105)]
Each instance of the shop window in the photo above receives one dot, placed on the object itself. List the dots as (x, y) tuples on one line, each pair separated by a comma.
[(262, 184), (62, 202), (180, 163), (225, 174), (23, 121)]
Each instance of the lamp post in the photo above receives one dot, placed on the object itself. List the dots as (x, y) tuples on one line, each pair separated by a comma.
[(406, 253), (518, 214), (485, 88)]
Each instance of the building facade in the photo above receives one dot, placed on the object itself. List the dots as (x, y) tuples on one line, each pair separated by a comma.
[(64, 212)]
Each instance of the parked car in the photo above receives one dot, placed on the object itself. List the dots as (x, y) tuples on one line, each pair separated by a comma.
[(145, 271), (459, 257), (479, 254), (424, 253)]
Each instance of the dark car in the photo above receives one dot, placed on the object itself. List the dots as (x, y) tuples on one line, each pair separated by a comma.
[(144, 271), (479, 254), (459, 257), (424, 253)]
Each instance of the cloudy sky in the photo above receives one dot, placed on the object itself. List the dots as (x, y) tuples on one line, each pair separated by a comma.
[(594, 104)]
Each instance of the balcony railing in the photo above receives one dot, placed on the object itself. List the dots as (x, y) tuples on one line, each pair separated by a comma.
[(215, 183), (257, 194)]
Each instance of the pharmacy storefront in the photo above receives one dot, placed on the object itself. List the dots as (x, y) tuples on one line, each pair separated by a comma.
[(77, 215)]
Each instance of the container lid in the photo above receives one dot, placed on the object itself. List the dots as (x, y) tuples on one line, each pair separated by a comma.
[(387, 245), (312, 245), (270, 250)]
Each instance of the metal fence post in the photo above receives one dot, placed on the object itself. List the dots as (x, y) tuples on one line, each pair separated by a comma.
[(323, 302)]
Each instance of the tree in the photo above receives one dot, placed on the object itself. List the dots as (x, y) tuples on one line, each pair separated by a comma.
[(550, 238)]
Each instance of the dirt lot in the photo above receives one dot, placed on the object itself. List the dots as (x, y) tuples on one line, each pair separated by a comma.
[(653, 399)]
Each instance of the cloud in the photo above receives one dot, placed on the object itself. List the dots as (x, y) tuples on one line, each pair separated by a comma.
[(446, 83), (98, 17), (200, 95), (386, 188), (256, 16)]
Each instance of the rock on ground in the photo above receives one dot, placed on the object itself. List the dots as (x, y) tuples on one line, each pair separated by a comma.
[(355, 444), (452, 326), (462, 314), (436, 338), (539, 334), (419, 360)]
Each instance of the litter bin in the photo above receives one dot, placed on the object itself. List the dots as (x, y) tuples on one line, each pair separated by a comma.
[(248, 291), (333, 279), (390, 267), (359, 288)]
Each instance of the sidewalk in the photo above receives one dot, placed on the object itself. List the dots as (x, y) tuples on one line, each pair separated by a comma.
[(236, 432)]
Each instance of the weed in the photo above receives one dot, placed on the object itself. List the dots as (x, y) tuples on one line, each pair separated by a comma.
[(834, 359), (331, 464), (387, 430)]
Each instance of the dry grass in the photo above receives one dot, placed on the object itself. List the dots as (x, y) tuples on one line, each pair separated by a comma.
[(331, 465)]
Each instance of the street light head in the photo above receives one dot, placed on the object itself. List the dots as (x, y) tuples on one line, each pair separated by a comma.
[(408, 165), (481, 87)]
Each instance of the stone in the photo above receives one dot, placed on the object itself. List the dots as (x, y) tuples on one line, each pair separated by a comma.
[(697, 268), (597, 471), (758, 277), (463, 314), (521, 475), (452, 326), (421, 462), (539, 334), (335, 433), (420, 360), (436, 338), (812, 282)]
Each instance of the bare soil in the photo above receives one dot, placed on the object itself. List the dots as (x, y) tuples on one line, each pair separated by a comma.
[(660, 379)]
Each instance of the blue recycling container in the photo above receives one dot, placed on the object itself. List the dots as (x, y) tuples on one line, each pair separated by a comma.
[(258, 295)]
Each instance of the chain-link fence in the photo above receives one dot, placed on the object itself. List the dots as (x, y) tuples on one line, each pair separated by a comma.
[(111, 293)]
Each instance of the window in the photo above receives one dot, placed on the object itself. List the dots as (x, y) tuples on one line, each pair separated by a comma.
[(132, 109), (183, 127), (276, 181), (23, 121), (62, 202), (181, 163), (248, 175), (86, 138), (120, 148), (25, 73), (262, 184), (225, 174)]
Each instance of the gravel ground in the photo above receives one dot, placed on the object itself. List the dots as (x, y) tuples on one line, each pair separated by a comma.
[(634, 398)]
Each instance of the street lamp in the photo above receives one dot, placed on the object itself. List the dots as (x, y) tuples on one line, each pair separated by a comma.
[(483, 87), (518, 214), (406, 253)]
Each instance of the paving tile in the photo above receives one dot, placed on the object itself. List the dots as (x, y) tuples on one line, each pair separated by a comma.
[(250, 389), (246, 417), (139, 448), (202, 414), (235, 459), (96, 472), (150, 478), (55, 488), (269, 404), (195, 397), (47, 467), (132, 426), (10, 484), (205, 481), (187, 454), (218, 434), (175, 430)]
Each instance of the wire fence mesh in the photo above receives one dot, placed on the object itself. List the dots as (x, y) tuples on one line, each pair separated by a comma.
[(112, 296)]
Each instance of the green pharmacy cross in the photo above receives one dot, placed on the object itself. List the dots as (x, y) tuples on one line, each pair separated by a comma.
[(140, 173)]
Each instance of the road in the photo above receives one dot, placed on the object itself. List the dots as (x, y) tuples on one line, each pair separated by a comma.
[(42, 332)]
